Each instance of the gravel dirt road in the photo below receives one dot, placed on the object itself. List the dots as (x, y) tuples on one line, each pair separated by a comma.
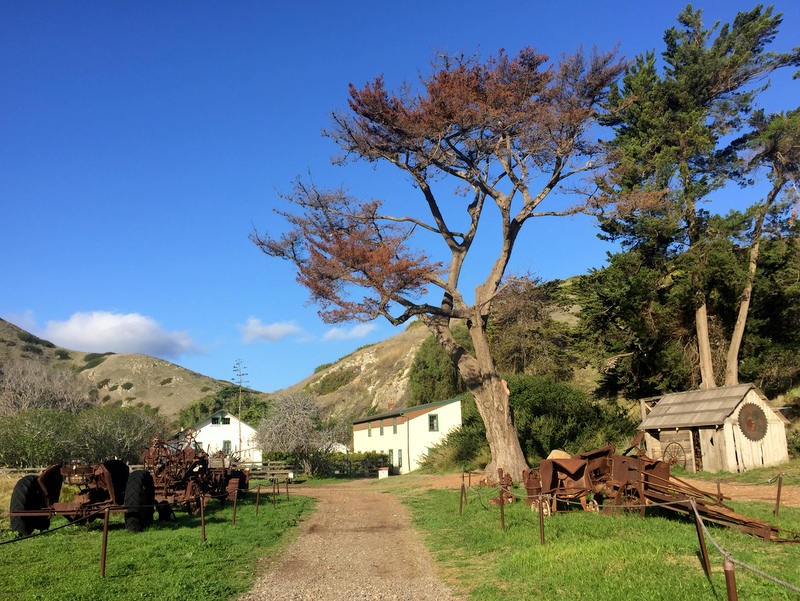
[(359, 544)]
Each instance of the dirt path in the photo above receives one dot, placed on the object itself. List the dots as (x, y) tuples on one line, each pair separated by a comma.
[(359, 544)]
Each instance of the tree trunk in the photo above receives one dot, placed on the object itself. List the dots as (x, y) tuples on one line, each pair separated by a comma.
[(704, 347), (491, 395), (732, 357)]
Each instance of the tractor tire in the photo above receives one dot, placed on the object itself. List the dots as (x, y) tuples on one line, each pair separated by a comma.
[(140, 501), (28, 494)]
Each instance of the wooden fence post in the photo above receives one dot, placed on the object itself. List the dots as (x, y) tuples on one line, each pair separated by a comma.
[(258, 497)]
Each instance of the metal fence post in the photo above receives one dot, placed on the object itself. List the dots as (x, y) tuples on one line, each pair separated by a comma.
[(235, 499), (730, 580), (778, 498), (203, 517), (541, 520), (105, 544)]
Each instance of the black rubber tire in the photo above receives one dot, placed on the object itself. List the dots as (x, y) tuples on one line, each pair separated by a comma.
[(28, 494), (140, 500), (165, 512)]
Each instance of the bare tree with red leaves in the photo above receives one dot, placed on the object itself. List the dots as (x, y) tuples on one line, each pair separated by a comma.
[(506, 132)]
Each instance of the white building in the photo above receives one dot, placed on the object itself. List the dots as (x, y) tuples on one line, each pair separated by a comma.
[(221, 431), (407, 434)]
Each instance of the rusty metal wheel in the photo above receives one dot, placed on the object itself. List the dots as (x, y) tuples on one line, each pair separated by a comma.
[(674, 455), (628, 500), (592, 506), (193, 497)]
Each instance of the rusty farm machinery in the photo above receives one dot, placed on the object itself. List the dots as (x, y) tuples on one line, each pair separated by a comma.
[(176, 472), (602, 480)]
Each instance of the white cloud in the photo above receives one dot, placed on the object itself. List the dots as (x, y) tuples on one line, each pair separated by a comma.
[(26, 321), (257, 331), (359, 331), (100, 331)]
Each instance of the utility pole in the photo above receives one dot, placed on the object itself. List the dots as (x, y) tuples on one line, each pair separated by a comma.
[(239, 375)]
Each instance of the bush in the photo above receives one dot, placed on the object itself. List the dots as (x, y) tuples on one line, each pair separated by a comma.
[(793, 443), (547, 415), (63, 355), (334, 381), (31, 339), (165, 381), (32, 348), (127, 386)]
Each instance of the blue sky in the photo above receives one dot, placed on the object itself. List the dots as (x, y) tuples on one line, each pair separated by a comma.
[(141, 142)]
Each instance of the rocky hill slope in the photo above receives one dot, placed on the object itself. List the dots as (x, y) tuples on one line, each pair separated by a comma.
[(370, 380)]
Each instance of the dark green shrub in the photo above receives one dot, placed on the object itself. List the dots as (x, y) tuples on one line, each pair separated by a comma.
[(31, 339), (432, 376), (102, 383), (334, 381), (32, 348), (113, 387), (793, 443), (165, 381), (319, 368), (62, 354), (127, 386)]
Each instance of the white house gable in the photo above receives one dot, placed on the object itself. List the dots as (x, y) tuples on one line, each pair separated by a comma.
[(223, 432)]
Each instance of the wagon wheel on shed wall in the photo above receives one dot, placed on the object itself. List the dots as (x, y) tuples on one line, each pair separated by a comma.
[(674, 455)]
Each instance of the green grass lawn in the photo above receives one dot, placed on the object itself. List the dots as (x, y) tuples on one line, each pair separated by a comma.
[(594, 556), (168, 561)]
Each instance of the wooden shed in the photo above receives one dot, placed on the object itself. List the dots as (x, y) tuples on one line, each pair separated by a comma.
[(731, 428)]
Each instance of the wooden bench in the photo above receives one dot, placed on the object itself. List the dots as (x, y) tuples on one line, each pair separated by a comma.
[(277, 471)]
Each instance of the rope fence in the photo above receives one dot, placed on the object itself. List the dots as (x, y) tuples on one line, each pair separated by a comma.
[(729, 561), (200, 499)]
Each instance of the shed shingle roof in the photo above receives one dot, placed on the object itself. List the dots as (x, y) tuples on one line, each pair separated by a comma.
[(707, 407)]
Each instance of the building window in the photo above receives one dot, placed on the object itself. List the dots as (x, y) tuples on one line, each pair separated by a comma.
[(226, 420), (399, 457), (215, 421), (369, 429), (381, 427), (394, 425), (391, 457), (433, 423), (226, 447)]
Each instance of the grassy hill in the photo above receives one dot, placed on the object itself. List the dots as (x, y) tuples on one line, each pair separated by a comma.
[(128, 378), (365, 381)]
